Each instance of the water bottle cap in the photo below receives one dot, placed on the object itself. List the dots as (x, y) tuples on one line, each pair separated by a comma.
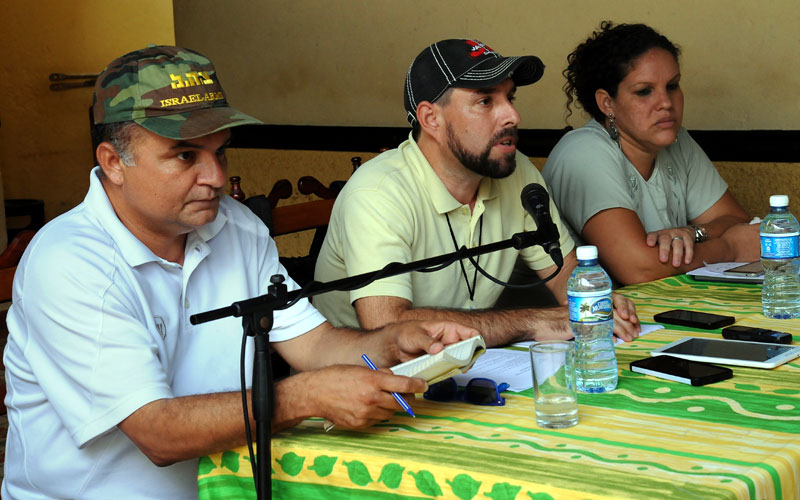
[(587, 252), (779, 200)]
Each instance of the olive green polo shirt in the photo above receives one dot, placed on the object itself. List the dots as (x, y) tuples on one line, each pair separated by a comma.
[(395, 209)]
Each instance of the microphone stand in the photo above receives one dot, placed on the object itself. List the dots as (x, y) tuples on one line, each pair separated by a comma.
[(257, 320)]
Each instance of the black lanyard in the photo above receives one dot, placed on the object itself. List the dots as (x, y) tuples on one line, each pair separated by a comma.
[(471, 289)]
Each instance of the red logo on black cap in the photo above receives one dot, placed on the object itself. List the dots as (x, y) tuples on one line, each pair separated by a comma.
[(478, 49)]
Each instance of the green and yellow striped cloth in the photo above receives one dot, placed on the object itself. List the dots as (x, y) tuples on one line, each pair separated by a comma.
[(649, 439)]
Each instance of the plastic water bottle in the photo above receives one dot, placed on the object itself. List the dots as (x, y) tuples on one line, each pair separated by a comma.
[(780, 296), (591, 317)]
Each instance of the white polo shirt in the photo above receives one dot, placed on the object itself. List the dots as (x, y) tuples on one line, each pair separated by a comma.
[(99, 327)]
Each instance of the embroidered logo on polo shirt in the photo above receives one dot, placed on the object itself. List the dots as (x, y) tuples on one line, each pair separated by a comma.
[(160, 326), (479, 48)]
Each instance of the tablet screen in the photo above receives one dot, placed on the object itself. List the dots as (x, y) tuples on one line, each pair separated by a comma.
[(715, 348)]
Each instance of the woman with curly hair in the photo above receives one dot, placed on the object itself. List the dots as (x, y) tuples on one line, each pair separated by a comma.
[(632, 181)]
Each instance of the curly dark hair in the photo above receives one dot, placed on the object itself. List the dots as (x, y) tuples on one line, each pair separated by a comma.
[(604, 59)]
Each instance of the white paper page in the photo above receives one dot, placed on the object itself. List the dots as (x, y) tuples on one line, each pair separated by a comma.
[(514, 367), (502, 365), (645, 330)]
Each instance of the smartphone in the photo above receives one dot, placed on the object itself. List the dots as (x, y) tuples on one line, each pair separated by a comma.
[(756, 335), (694, 319), (681, 370), (752, 269)]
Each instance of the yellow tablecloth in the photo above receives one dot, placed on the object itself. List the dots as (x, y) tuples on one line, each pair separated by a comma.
[(649, 439)]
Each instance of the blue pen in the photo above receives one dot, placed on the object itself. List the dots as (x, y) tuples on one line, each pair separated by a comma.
[(398, 397)]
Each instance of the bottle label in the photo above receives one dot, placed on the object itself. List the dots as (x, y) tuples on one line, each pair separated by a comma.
[(590, 307), (780, 246)]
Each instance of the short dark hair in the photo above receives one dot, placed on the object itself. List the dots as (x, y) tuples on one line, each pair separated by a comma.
[(605, 59), (118, 135), (443, 100)]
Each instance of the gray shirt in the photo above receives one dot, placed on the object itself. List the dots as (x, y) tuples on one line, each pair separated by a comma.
[(587, 173)]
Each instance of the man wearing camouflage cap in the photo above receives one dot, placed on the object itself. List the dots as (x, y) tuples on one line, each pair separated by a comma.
[(455, 182), (112, 393)]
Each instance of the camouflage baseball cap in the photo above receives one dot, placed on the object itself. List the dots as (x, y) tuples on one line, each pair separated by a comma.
[(170, 91)]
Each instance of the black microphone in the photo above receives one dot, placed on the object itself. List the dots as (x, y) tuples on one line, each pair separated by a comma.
[(536, 202)]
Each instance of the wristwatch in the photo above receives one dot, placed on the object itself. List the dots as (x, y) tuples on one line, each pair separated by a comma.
[(700, 233)]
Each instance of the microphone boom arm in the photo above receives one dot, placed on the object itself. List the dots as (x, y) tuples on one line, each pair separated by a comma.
[(518, 241)]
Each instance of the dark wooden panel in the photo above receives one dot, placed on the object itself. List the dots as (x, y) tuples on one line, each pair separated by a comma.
[(720, 145)]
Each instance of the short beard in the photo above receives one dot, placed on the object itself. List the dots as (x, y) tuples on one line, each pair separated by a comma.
[(481, 164)]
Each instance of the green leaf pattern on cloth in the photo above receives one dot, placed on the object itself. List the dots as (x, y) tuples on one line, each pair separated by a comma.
[(292, 463), (391, 475), (323, 465), (358, 473), (503, 491), (230, 460), (464, 487), (205, 465), (426, 483), (540, 496)]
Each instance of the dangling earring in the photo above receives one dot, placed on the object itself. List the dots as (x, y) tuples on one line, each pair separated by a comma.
[(612, 128)]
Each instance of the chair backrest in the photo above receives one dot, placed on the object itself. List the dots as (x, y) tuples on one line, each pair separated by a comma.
[(281, 190), (8, 266), (302, 217), (310, 185), (314, 214), (288, 219)]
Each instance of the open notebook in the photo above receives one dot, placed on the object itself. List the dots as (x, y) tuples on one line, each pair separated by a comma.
[(453, 359)]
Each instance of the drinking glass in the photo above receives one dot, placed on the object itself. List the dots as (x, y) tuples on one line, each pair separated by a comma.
[(555, 397)]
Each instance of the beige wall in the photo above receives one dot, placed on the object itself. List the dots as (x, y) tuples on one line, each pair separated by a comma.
[(342, 62), (45, 148), (337, 62)]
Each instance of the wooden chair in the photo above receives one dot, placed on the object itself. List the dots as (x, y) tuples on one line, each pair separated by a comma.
[(8, 266), (309, 185), (314, 215), (281, 190), (289, 219)]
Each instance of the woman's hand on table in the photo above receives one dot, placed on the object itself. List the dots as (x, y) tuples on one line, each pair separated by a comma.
[(626, 322), (675, 243)]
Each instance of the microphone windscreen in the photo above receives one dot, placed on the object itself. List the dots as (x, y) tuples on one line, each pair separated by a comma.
[(535, 198)]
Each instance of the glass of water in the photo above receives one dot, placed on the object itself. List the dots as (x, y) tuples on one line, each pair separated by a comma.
[(555, 397)]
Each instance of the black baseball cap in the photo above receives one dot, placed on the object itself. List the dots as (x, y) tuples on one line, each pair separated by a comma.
[(463, 63)]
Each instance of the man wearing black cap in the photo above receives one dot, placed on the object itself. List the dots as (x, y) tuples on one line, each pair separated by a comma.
[(112, 392), (455, 182)]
